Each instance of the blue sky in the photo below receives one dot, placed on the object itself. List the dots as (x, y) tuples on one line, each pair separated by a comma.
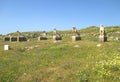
[(40, 15)]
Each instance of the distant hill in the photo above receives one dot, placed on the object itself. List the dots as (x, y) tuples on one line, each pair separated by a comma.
[(92, 31)]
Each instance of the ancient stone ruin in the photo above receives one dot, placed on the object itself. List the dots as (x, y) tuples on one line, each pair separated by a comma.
[(102, 36), (15, 38), (43, 36), (6, 47), (75, 35), (56, 35), (18, 38)]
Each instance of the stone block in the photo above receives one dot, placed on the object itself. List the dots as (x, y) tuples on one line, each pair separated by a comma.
[(76, 38), (102, 38), (56, 38), (22, 39), (42, 38), (6, 47)]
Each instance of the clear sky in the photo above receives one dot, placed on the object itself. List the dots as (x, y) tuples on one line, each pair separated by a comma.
[(44, 15)]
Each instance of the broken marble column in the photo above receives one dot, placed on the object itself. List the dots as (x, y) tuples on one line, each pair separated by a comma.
[(75, 35), (56, 35), (43, 36), (102, 36)]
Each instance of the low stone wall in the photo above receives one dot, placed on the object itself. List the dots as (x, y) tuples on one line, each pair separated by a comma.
[(6, 38), (15, 38), (22, 39)]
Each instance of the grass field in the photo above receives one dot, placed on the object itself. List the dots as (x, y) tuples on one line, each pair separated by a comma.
[(65, 61)]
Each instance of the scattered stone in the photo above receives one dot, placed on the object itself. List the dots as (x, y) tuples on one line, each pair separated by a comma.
[(118, 38), (76, 46), (25, 74), (28, 40), (99, 45), (36, 46)]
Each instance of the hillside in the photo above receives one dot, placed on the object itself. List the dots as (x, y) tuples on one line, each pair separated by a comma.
[(87, 33), (65, 61)]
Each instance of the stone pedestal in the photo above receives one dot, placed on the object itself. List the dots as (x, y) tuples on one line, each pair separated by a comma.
[(18, 39), (6, 47), (56, 38), (102, 38), (6, 38), (76, 38), (42, 38), (22, 38), (118, 38), (15, 38)]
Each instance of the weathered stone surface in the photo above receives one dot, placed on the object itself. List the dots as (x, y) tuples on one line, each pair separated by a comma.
[(42, 38), (102, 36), (76, 38), (57, 37), (76, 34), (15, 38), (22, 39), (6, 47)]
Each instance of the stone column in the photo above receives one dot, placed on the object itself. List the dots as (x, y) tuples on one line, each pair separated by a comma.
[(102, 36), (75, 35), (18, 38), (56, 35), (10, 38), (3, 38)]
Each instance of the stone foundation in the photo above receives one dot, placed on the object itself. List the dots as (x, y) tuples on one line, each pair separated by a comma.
[(42, 38), (6, 38), (14, 38), (102, 38), (56, 38), (22, 39), (76, 38)]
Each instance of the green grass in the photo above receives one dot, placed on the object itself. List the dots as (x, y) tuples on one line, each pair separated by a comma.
[(47, 61), (65, 61)]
